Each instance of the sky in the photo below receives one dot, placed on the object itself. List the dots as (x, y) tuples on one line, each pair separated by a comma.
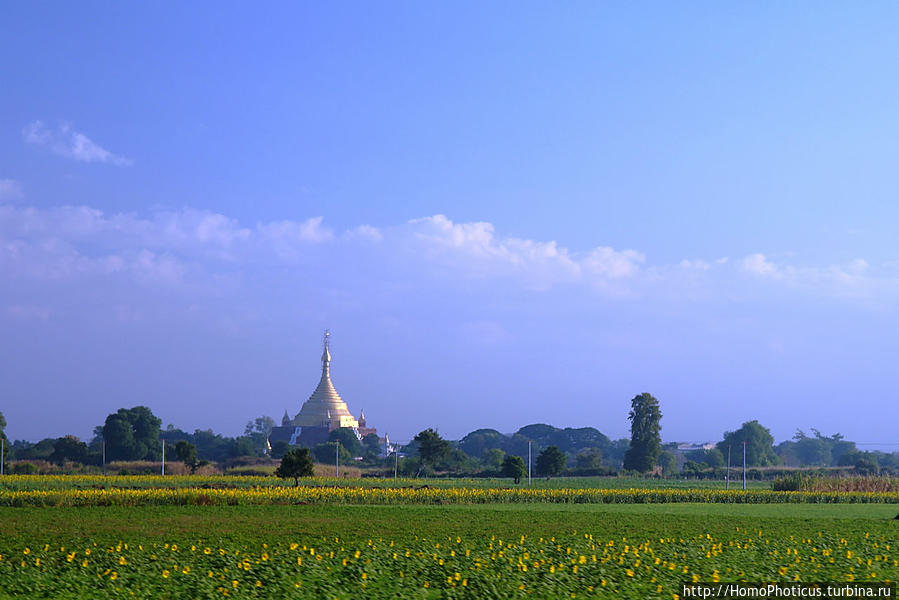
[(506, 213)]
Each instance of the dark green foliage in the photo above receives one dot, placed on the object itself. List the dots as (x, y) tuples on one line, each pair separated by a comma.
[(569, 439), (371, 446), (866, 464), (456, 461), (132, 434), (23, 450), (617, 449), (668, 462), (431, 447), (478, 442), (280, 448), (551, 461), (591, 458), (347, 438), (69, 448), (493, 458), (514, 467), (540, 435), (820, 450), (693, 468), (645, 417), (242, 446), (709, 458), (2, 426), (326, 452), (759, 445), (295, 464), (187, 453)]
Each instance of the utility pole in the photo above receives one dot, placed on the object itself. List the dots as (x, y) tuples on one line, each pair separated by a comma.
[(529, 463), (163, 455), (1, 455), (396, 463), (744, 465), (104, 457), (727, 476), (337, 459)]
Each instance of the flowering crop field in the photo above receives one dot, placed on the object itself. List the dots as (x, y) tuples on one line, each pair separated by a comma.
[(423, 495), (60, 482), (625, 551), (493, 549), (30, 490)]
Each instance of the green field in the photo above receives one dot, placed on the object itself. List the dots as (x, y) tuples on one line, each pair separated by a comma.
[(453, 551)]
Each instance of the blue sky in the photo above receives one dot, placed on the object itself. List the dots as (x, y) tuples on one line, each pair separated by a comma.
[(507, 213)]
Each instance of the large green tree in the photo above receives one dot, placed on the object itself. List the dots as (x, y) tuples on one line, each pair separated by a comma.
[(295, 464), (646, 441), (431, 447), (132, 434), (759, 445), (69, 448), (551, 461), (187, 453), (513, 466)]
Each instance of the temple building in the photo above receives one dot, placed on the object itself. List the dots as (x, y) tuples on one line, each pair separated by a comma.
[(322, 413)]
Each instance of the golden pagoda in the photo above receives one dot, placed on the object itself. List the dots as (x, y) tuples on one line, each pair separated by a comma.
[(321, 414), (325, 408)]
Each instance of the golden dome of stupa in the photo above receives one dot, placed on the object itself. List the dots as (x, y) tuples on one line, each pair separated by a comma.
[(325, 407)]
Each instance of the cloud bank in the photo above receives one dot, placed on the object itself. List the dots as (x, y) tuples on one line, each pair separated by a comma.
[(163, 247)]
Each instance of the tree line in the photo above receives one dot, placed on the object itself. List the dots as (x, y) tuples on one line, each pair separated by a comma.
[(136, 434)]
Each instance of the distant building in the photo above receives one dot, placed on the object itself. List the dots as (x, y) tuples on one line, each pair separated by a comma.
[(321, 414)]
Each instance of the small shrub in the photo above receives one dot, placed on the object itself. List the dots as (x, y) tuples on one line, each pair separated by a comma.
[(24, 468)]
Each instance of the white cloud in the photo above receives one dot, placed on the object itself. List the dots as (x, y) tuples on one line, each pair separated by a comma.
[(613, 264), (757, 264), (365, 232), (65, 141), (694, 265), (474, 247), (10, 189), (288, 238), (191, 247)]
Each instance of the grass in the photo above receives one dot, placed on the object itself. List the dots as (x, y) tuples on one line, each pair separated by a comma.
[(289, 523)]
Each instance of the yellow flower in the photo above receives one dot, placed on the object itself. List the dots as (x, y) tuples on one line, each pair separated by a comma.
[(165, 573)]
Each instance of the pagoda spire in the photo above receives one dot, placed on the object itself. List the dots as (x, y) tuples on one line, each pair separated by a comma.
[(326, 355)]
